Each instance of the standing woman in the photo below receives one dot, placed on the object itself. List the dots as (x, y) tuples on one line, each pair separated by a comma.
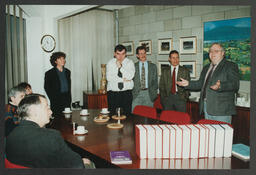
[(57, 83)]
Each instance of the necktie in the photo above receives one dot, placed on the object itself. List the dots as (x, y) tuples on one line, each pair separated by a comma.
[(173, 81), (207, 80), (142, 82), (120, 84)]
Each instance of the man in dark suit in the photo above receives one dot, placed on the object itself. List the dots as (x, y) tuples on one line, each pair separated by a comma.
[(32, 145), (57, 83), (145, 80), (219, 81), (173, 97)]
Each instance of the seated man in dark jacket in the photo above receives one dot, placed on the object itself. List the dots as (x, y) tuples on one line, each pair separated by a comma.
[(32, 145)]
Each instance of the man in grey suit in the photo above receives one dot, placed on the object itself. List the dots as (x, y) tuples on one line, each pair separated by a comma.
[(145, 80), (219, 81), (172, 96)]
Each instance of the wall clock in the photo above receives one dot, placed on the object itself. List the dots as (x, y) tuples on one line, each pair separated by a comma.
[(48, 43)]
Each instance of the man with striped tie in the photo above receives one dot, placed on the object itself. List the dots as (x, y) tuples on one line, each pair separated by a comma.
[(145, 80)]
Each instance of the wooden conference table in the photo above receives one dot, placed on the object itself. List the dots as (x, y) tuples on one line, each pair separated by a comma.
[(100, 140)]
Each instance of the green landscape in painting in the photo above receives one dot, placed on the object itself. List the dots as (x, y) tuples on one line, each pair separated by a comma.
[(234, 35)]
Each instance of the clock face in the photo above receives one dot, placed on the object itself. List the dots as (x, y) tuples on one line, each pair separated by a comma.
[(48, 43)]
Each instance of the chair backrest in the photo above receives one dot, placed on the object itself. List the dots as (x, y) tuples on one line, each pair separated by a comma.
[(206, 121), (157, 103), (8, 164), (175, 117), (145, 111)]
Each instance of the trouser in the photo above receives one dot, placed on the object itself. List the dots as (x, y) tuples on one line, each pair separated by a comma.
[(142, 98), (121, 99), (58, 105), (223, 118), (174, 102)]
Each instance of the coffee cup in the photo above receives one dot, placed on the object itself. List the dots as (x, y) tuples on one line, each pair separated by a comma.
[(80, 129), (104, 110), (67, 115), (84, 112), (67, 110), (81, 138)]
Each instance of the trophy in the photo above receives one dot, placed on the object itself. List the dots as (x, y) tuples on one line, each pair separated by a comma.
[(103, 81)]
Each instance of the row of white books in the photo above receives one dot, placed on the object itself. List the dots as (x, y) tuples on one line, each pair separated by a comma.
[(202, 163), (184, 141)]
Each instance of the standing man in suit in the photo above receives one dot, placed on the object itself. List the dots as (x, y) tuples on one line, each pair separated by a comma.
[(120, 72), (57, 83), (145, 80), (173, 97), (219, 81)]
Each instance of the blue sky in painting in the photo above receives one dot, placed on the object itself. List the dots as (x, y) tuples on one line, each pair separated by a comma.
[(231, 29)]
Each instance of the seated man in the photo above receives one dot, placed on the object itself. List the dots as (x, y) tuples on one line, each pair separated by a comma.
[(27, 87), (32, 145), (15, 95)]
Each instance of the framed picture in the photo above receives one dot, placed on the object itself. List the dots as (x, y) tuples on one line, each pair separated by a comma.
[(148, 45), (164, 46), (191, 66), (129, 47), (188, 45), (237, 46), (162, 64)]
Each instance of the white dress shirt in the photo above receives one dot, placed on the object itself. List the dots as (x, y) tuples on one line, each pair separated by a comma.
[(127, 70)]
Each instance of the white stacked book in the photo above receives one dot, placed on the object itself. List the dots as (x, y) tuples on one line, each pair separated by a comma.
[(209, 163), (183, 141)]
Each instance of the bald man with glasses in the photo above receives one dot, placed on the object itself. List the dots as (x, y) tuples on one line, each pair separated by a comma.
[(218, 82)]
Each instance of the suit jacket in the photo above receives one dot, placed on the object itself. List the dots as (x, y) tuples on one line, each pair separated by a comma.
[(32, 146), (152, 81), (165, 84), (52, 87), (222, 101)]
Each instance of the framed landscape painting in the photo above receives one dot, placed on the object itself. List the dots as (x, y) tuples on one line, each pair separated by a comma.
[(235, 36), (191, 66), (148, 45), (129, 47), (164, 46), (161, 65), (188, 45)]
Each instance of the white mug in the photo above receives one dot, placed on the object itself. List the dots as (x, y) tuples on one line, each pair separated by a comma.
[(67, 115), (104, 110), (80, 129), (67, 110)]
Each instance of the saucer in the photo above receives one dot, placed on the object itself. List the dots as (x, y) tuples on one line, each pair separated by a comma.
[(85, 114), (67, 112), (81, 133)]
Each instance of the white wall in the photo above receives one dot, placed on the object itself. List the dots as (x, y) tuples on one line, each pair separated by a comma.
[(41, 20)]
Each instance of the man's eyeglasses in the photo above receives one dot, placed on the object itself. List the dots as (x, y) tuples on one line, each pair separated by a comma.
[(215, 51)]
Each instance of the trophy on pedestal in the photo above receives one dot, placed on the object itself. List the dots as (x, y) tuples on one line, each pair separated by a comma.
[(103, 81)]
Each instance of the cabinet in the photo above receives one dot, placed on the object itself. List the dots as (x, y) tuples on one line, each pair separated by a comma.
[(240, 121), (94, 100)]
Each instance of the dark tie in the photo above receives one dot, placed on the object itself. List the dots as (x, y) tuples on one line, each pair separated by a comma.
[(120, 84), (207, 80), (142, 82), (173, 81)]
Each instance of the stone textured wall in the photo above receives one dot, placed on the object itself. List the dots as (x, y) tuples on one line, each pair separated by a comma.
[(156, 22)]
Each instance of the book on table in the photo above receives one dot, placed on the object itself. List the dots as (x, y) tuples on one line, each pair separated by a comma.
[(120, 157), (241, 151)]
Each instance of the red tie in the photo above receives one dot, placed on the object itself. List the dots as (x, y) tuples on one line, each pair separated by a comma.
[(173, 82)]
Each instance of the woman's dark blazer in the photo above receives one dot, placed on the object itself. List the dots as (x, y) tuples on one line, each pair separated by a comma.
[(52, 88)]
